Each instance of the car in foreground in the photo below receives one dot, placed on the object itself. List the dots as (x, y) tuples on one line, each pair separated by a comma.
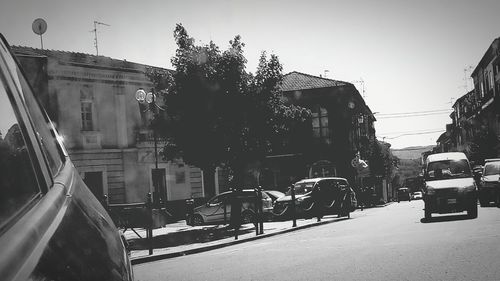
[(489, 187), (51, 225), (449, 185), (417, 195), (218, 208), (335, 194)]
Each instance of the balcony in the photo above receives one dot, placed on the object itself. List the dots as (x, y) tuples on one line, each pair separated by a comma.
[(146, 138)]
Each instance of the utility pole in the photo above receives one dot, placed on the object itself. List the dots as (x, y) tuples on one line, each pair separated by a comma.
[(95, 34)]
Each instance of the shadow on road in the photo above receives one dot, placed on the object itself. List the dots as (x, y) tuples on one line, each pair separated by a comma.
[(446, 218)]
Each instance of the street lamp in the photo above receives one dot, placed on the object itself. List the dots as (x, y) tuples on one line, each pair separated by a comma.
[(150, 98)]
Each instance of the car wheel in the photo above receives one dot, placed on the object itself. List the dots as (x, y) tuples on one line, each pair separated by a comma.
[(247, 217), (472, 212), (427, 212), (197, 220), (482, 203)]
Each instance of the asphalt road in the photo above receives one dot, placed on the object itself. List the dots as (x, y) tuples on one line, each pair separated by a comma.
[(390, 243)]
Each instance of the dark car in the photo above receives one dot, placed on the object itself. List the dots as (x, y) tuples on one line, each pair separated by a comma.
[(489, 187), (274, 194), (335, 192), (51, 225), (404, 194)]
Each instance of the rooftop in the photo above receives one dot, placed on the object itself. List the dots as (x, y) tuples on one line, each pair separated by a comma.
[(78, 58), (294, 81)]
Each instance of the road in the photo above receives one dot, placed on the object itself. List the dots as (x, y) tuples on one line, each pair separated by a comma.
[(390, 243)]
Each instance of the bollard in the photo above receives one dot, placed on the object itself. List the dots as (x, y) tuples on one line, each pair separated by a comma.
[(189, 211), (105, 203), (225, 211), (260, 215), (235, 219), (149, 227), (294, 217), (256, 210)]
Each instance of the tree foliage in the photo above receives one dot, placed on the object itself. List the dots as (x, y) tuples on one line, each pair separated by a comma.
[(217, 113)]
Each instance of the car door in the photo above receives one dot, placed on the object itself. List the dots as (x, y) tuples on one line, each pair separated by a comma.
[(51, 226), (214, 209)]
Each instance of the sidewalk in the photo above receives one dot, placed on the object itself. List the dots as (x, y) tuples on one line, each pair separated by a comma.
[(206, 237), (178, 239)]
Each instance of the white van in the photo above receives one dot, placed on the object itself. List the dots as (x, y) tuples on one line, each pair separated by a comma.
[(449, 185)]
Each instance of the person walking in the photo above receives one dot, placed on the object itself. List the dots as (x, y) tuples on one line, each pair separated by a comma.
[(317, 201)]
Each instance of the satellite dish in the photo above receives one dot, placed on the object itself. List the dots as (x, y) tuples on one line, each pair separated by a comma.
[(39, 26)]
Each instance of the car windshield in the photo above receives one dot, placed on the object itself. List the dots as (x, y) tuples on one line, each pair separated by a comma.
[(492, 168), (448, 169), (301, 188)]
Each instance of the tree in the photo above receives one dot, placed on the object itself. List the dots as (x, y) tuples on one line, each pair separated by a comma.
[(218, 114)]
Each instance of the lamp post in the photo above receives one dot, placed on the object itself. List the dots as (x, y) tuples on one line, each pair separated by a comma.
[(150, 98)]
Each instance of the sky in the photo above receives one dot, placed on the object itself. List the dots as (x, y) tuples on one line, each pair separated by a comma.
[(413, 56)]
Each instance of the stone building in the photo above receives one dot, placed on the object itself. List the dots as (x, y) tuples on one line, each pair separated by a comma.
[(475, 127), (341, 126), (92, 101)]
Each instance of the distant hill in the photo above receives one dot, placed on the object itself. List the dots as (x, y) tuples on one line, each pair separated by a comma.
[(413, 152)]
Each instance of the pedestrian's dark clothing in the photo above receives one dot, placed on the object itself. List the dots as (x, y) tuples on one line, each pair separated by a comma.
[(318, 202)]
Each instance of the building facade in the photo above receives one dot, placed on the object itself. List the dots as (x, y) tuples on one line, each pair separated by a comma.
[(475, 127), (106, 130), (341, 126)]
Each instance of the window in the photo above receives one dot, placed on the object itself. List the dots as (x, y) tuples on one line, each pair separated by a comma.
[(87, 108), (180, 177), (18, 184), (87, 123), (320, 124)]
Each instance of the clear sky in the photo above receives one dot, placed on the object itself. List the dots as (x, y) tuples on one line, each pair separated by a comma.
[(411, 55)]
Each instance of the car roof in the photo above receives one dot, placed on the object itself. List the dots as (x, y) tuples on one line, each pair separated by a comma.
[(314, 180), (446, 156)]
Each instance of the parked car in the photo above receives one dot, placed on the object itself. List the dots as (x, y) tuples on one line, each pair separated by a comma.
[(489, 187), (51, 225), (449, 185), (335, 193), (404, 194), (274, 194), (417, 195), (218, 209)]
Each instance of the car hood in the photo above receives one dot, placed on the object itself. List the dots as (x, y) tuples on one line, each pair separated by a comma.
[(289, 197), (448, 183), (491, 178)]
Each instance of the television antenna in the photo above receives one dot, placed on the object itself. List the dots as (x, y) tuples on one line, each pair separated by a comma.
[(96, 23), (39, 26), (362, 82)]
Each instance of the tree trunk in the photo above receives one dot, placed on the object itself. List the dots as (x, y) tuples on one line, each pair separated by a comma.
[(209, 182)]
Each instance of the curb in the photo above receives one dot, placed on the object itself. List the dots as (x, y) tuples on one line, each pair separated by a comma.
[(146, 259)]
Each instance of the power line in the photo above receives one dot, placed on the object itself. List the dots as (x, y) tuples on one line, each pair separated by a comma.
[(416, 112), (414, 134), (412, 131), (412, 115)]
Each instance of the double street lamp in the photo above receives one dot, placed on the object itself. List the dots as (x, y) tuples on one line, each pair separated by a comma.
[(149, 98)]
